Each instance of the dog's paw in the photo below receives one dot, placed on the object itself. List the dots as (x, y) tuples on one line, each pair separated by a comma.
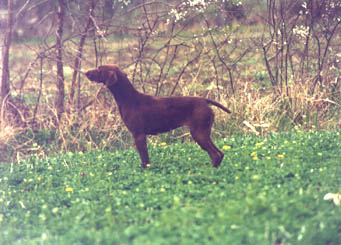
[(146, 165)]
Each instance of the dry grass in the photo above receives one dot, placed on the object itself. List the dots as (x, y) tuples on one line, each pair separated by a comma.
[(9, 129), (267, 111), (99, 126), (7, 133)]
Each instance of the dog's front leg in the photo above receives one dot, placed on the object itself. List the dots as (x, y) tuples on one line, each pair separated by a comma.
[(141, 145)]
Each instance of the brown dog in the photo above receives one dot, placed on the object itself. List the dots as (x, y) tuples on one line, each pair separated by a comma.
[(145, 114)]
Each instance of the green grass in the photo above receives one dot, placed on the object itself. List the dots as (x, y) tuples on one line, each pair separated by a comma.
[(267, 191)]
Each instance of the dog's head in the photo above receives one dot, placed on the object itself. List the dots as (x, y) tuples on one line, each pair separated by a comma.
[(106, 74)]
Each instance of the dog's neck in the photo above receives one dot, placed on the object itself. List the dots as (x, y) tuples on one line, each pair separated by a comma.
[(123, 91)]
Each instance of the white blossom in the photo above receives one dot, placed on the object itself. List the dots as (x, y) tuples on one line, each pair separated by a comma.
[(301, 31)]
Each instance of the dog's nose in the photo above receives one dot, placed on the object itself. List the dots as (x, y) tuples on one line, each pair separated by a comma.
[(88, 74)]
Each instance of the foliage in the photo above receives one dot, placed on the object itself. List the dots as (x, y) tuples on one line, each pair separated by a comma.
[(267, 191)]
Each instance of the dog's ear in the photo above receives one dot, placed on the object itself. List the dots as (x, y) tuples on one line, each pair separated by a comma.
[(111, 78), (106, 75), (119, 72), (110, 74)]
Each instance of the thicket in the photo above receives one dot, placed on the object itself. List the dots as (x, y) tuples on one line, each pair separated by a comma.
[(276, 64)]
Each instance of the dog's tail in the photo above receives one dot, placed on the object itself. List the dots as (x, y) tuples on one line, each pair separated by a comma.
[(218, 105)]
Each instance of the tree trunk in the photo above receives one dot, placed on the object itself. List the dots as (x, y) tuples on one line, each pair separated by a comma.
[(5, 89), (78, 58), (59, 46)]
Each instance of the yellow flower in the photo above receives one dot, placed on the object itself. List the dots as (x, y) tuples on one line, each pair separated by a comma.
[(226, 147), (259, 144), (163, 144), (176, 199), (42, 217), (336, 197), (254, 156), (39, 178), (280, 156), (68, 189), (255, 177)]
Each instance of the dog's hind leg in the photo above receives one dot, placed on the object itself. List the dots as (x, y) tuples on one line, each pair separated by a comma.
[(205, 142), (201, 131)]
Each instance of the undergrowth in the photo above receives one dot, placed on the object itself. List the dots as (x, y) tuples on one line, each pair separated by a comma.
[(99, 127)]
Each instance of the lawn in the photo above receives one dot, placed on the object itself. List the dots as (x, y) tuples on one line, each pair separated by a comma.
[(267, 191)]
